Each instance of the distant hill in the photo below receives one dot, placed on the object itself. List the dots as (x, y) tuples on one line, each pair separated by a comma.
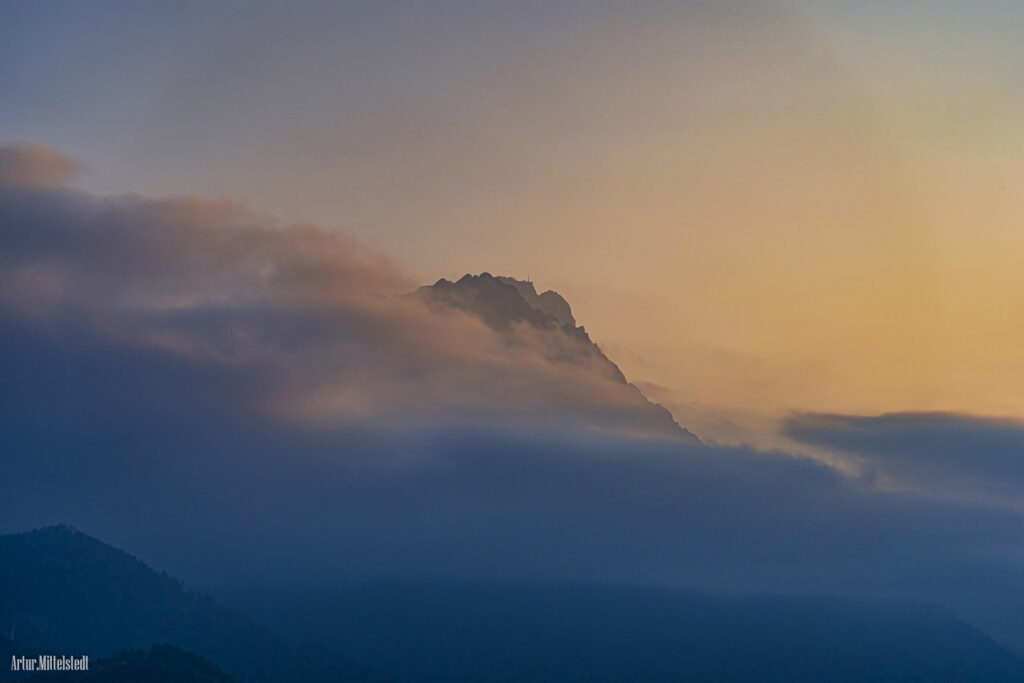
[(502, 303), (433, 632), (62, 591)]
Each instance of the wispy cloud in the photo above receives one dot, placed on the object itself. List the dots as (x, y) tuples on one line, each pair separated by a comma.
[(35, 165), (941, 454)]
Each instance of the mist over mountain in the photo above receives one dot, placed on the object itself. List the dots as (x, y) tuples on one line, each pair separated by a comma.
[(62, 591), (437, 631), (571, 341), (249, 403), (313, 329), (507, 305)]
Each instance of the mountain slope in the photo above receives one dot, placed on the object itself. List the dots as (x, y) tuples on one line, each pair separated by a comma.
[(64, 591), (550, 303), (505, 304)]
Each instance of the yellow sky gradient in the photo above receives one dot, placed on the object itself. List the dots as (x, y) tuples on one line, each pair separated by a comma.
[(758, 207), (759, 220)]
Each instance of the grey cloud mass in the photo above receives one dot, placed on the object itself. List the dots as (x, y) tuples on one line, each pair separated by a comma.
[(321, 323), (236, 398), (947, 454)]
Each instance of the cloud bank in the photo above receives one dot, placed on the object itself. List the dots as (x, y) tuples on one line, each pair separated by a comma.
[(240, 400), (942, 454), (319, 328)]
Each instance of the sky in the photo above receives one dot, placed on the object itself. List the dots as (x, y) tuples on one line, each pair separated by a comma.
[(755, 208), (794, 224)]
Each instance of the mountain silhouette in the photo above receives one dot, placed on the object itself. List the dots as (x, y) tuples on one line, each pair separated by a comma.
[(503, 303), (62, 591), (550, 303)]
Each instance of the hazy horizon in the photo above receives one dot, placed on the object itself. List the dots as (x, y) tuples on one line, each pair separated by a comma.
[(792, 229)]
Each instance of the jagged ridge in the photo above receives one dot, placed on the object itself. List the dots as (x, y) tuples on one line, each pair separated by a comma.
[(503, 302)]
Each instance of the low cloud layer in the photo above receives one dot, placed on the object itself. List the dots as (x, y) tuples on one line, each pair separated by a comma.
[(943, 454), (240, 401), (319, 328)]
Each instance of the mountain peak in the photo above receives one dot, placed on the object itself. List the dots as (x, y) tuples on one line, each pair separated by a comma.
[(503, 303), (550, 303), (496, 302)]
